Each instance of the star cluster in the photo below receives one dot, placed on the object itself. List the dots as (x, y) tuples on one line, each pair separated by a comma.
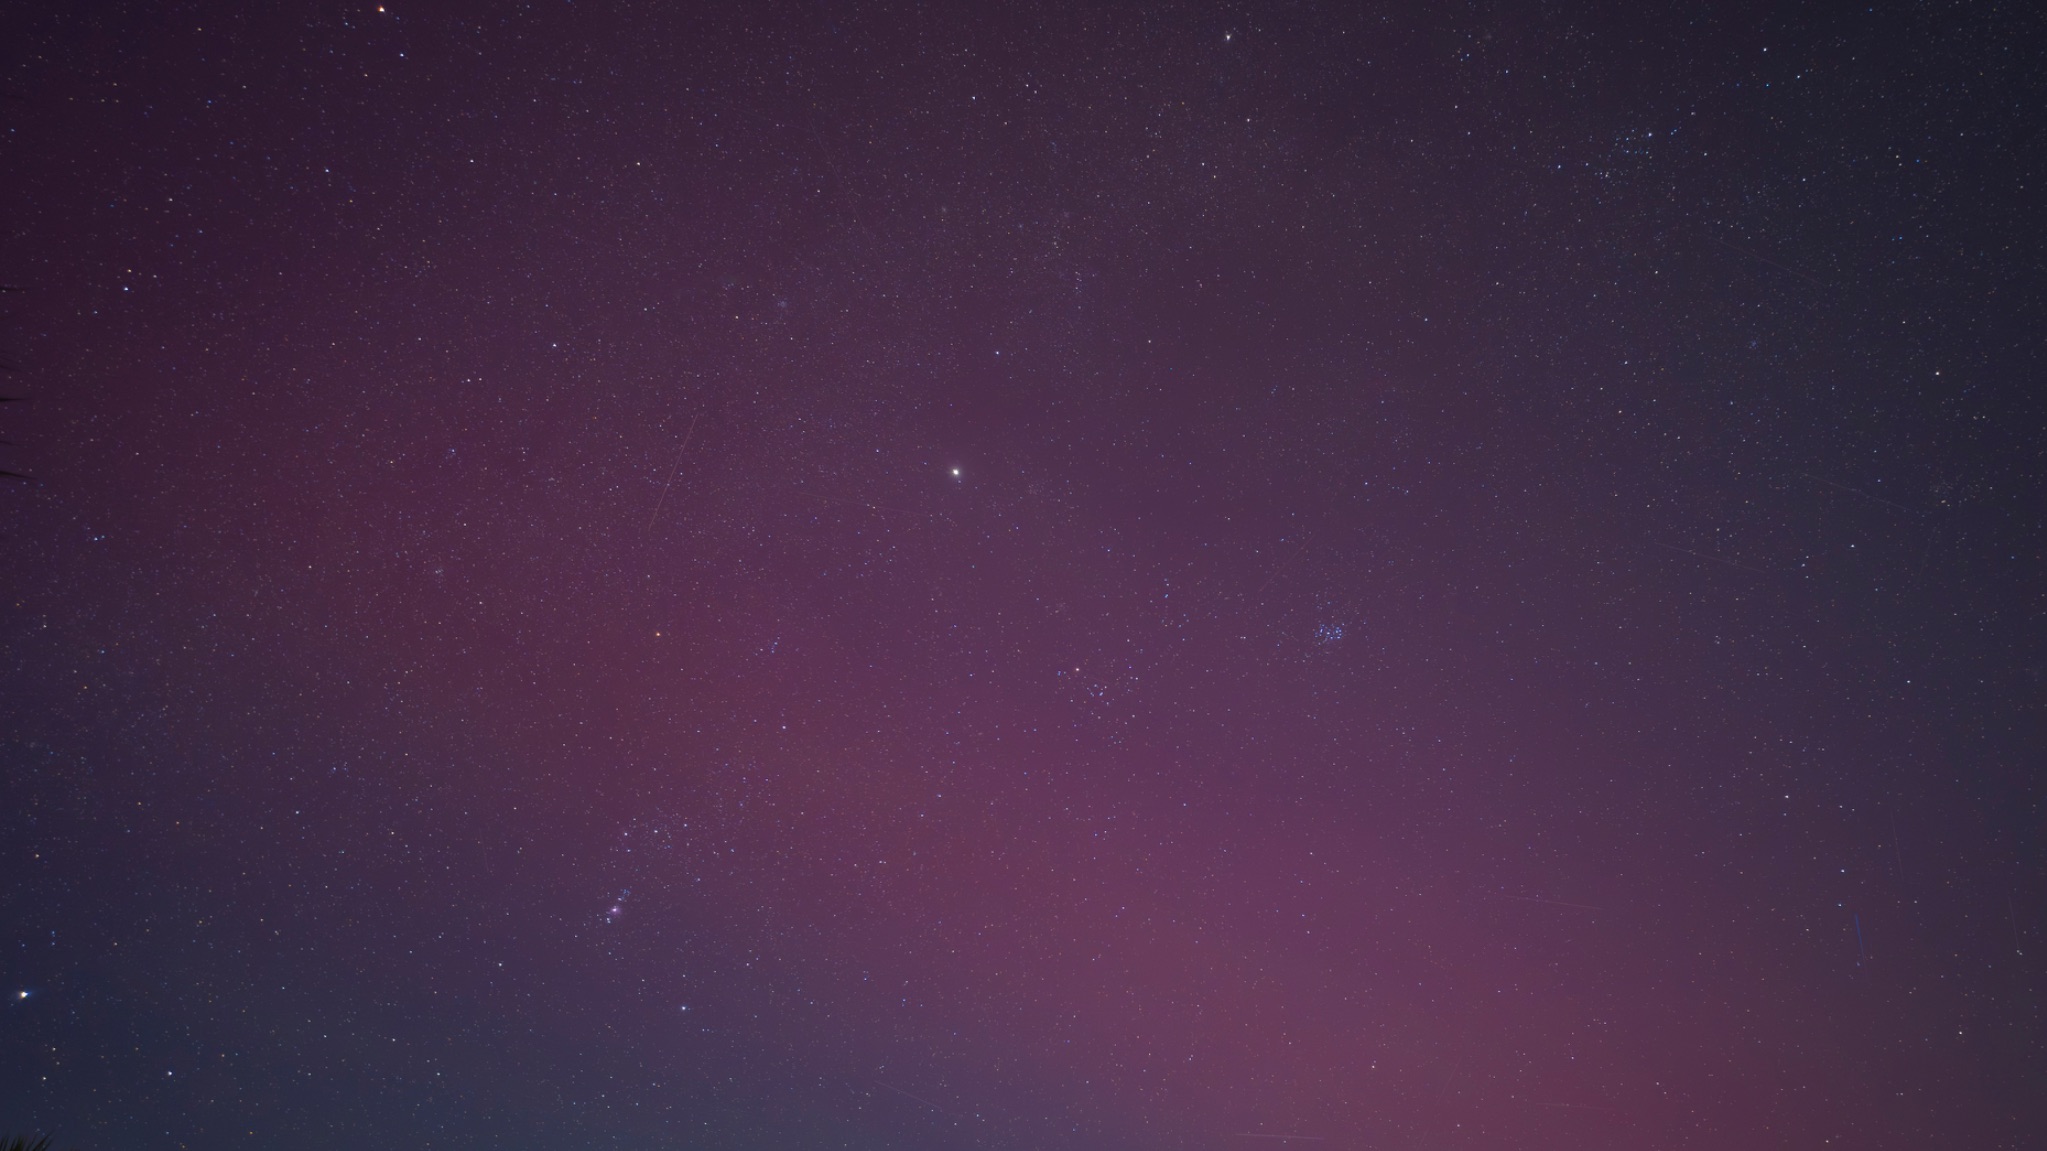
[(820, 575)]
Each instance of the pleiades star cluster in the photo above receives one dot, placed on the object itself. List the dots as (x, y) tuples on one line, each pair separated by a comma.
[(1032, 576)]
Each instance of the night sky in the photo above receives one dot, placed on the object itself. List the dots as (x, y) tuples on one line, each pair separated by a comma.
[(1024, 576)]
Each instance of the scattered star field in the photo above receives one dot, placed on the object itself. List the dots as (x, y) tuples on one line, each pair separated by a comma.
[(1144, 576)]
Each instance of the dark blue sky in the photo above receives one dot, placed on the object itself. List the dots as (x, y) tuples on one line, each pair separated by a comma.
[(816, 575)]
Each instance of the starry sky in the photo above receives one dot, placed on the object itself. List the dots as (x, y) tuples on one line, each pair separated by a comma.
[(1050, 576)]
